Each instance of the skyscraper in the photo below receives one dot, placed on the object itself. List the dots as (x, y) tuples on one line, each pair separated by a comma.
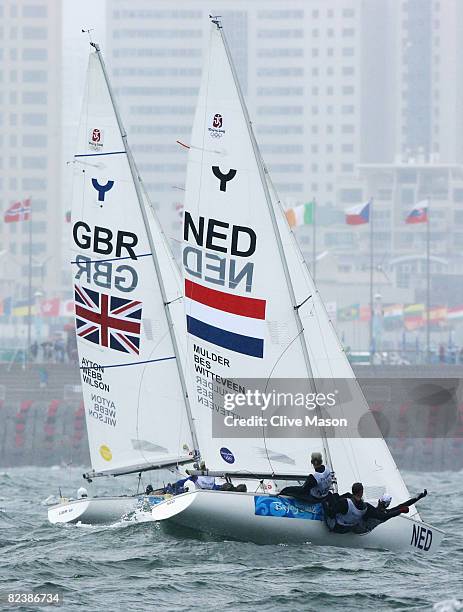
[(30, 110)]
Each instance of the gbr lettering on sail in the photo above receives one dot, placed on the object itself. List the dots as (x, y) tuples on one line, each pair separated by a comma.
[(215, 250)]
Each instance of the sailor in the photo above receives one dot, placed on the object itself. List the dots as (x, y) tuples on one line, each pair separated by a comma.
[(317, 486), (351, 512), (82, 493), (204, 481), (149, 489), (369, 523)]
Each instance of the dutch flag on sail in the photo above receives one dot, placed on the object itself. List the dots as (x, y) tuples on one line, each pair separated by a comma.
[(233, 322)]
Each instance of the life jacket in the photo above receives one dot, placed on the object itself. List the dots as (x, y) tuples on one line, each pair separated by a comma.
[(324, 480), (205, 482), (353, 515)]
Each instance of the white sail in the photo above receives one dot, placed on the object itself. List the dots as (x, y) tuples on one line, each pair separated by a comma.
[(240, 310), (354, 458), (134, 403), (240, 316)]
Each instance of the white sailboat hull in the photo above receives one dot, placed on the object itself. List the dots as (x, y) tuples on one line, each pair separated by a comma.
[(241, 516), (95, 510)]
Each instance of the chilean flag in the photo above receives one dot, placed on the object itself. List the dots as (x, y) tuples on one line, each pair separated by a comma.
[(419, 213), (359, 214), (233, 322)]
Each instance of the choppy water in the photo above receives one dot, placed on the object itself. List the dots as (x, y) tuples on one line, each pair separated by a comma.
[(139, 567)]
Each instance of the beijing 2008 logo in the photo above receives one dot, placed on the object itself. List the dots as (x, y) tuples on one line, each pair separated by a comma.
[(215, 131), (95, 139)]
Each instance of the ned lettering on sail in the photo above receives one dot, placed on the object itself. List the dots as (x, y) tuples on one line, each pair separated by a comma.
[(215, 235)]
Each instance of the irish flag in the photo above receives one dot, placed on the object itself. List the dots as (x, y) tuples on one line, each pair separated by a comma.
[(419, 213), (359, 214), (233, 322), (301, 215)]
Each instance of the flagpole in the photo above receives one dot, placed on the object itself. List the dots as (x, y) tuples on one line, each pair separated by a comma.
[(371, 280), (428, 279), (314, 238), (29, 296)]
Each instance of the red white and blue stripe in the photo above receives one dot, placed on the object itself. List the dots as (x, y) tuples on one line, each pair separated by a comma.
[(419, 213), (359, 214), (233, 322)]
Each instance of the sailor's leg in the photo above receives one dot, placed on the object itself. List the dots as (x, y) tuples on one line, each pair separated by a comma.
[(292, 491)]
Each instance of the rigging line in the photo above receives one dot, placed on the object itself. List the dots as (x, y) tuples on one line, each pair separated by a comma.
[(180, 297), (303, 263), (113, 259), (122, 365), (264, 438), (138, 398)]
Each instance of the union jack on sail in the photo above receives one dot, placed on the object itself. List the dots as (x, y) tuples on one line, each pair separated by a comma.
[(107, 320)]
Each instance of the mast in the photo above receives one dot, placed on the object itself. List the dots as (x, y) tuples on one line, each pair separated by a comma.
[(428, 280), (273, 218), (29, 290), (372, 261), (314, 239), (136, 181)]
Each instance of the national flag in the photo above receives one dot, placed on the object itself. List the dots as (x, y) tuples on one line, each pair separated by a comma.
[(21, 309), (419, 213), (349, 313), (455, 312), (19, 211), (107, 320), (233, 322), (438, 314), (50, 308), (393, 311), (365, 313), (359, 214), (414, 316), (301, 215), (66, 308)]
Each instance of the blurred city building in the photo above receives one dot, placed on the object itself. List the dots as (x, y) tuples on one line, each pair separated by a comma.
[(349, 99), (30, 139)]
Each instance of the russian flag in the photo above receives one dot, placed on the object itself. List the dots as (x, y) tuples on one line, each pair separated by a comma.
[(359, 214), (233, 322), (419, 213)]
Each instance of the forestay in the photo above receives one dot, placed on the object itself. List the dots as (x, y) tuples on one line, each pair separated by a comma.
[(134, 404)]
